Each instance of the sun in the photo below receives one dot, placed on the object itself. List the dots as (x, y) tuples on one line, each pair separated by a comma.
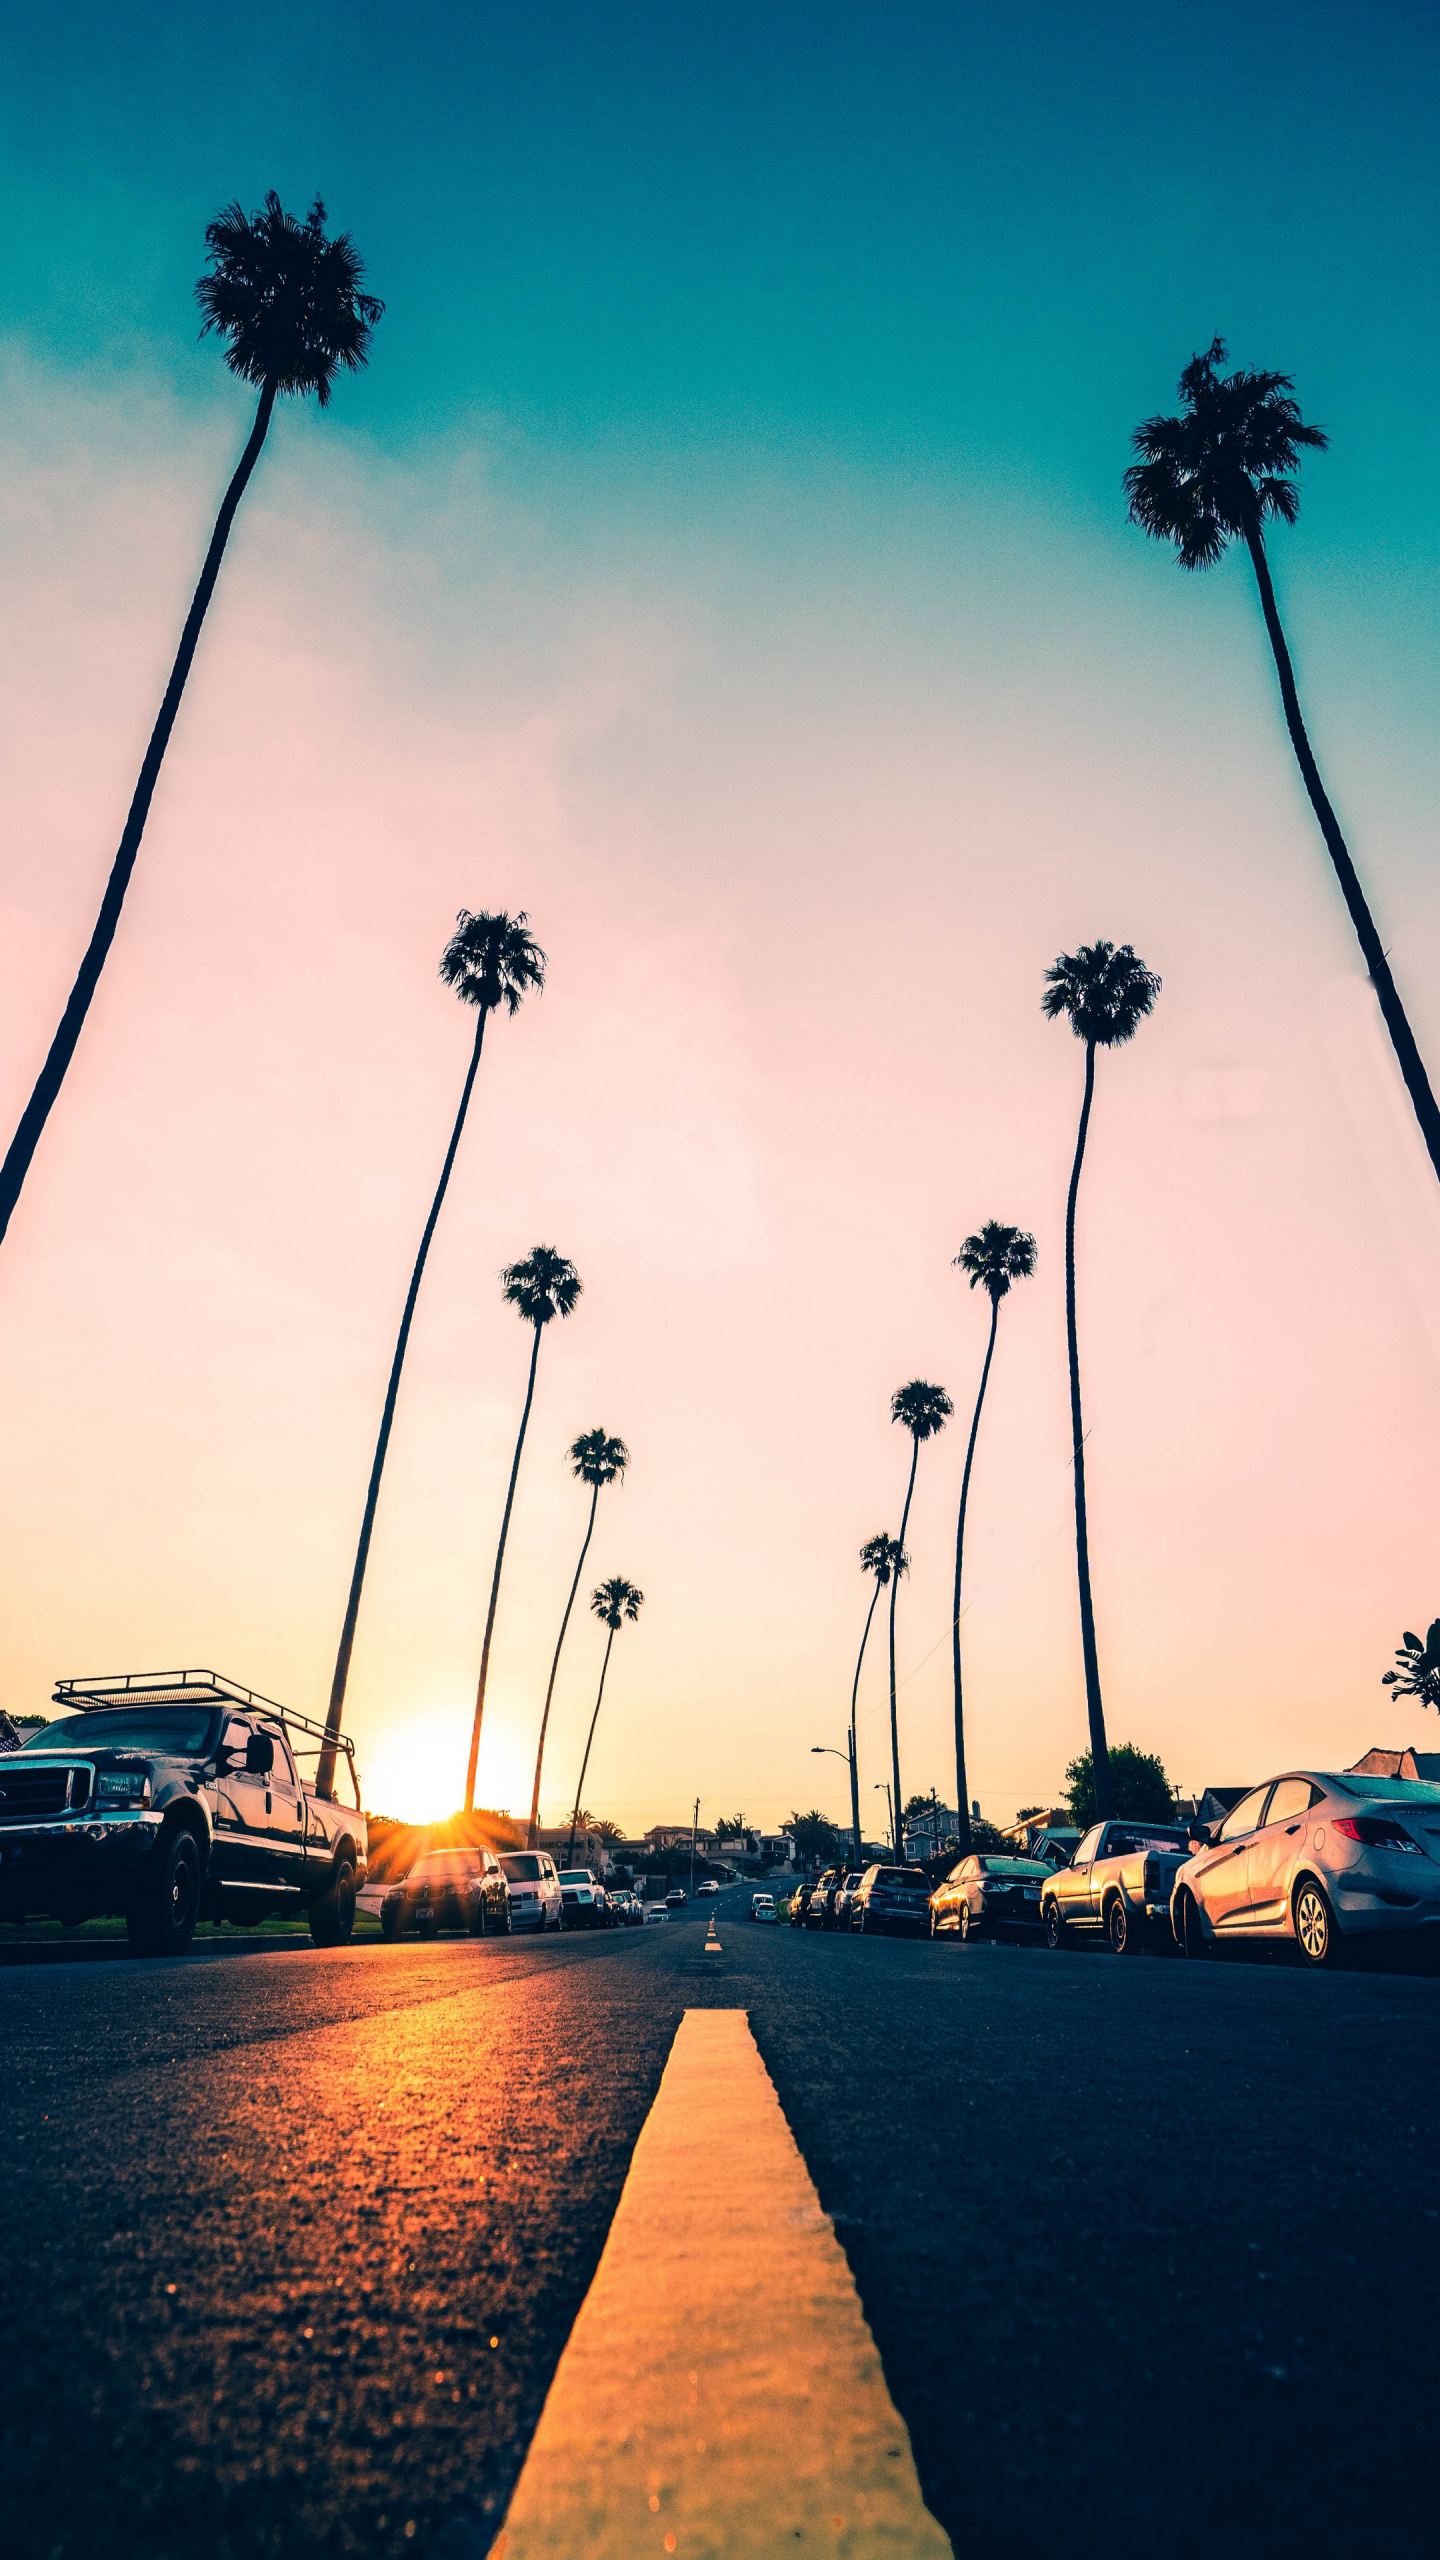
[(413, 1764)]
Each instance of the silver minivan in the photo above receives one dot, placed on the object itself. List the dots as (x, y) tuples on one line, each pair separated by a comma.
[(534, 1889), (1318, 1858)]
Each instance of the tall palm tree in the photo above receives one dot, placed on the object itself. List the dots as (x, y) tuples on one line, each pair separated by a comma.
[(289, 302), (994, 1258), (1105, 994), (924, 1410), (1215, 475), (612, 1601), (489, 960), (597, 1460), (883, 1556), (540, 1288)]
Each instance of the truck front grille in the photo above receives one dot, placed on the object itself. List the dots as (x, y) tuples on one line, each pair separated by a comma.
[(40, 1795)]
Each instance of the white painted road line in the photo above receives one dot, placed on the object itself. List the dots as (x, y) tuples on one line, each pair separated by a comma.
[(720, 2396)]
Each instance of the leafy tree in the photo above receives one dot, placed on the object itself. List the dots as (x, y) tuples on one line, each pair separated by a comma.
[(1138, 1784), (1028, 1811), (993, 1259), (923, 1410), (886, 1559), (542, 1286), (732, 1826), (1217, 474), (1417, 1672), (613, 1602), (1105, 994), (288, 302), (489, 960), (597, 1460), (815, 1836)]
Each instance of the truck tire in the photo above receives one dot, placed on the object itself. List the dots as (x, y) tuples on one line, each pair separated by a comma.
[(1056, 1933), (1120, 1929), (161, 1919), (332, 1913)]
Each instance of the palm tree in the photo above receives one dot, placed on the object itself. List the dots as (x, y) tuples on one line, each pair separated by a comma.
[(1106, 994), (924, 1410), (489, 960), (994, 1258), (883, 1556), (612, 1601), (289, 302), (1210, 477), (540, 1288), (597, 1460), (1417, 1672)]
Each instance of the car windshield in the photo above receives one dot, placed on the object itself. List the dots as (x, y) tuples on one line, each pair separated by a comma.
[(446, 1866), (906, 1876), (1013, 1867), (181, 1730), (521, 1869), (1399, 1790)]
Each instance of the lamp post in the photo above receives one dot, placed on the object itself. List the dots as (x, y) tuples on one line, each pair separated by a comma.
[(829, 1753), (694, 1827), (882, 1789)]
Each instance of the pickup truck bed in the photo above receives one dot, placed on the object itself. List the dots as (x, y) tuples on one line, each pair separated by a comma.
[(1117, 1887)]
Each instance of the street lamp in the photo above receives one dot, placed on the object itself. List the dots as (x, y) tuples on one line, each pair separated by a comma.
[(825, 1749), (882, 1789)]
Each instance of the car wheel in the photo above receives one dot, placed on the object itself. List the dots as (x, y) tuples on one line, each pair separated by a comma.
[(967, 1924), (1191, 1932), (161, 1920), (1124, 1937), (389, 1924), (332, 1914), (1319, 1941), (1056, 1933)]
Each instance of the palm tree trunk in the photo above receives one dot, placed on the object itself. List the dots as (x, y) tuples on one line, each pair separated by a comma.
[(72, 1021), (894, 1716), (554, 1667), (334, 1714), (962, 1791), (854, 1697), (585, 1763), (1099, 1754), (495, 1584), (1412, 1065)]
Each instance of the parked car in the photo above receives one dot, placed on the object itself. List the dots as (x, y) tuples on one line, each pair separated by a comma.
[(820, 1908), (800, 1902), (582, 1898), (654, 1911), (1319, 1859), (888, 1899), (984, 1895), (675, 1898), (534, 1889), (709, 1886), (625, 1910), (1118, 1886), (762, 1907), (448, 1889), (171, 1797), (844, 1897)]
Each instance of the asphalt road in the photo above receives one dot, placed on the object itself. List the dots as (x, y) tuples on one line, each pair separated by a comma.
[(294, 2243)]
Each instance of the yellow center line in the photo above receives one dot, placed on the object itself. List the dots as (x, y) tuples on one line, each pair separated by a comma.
[(720, 2396)]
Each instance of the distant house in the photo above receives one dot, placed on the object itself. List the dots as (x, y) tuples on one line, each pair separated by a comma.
[(1408, 1763), (676, 1835)]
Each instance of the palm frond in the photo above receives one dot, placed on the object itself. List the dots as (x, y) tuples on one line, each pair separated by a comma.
[(288, 300), (883, 1556), (1225, 465), (615, 1600), (596, 1458), (995, 1256), (1104, 990), (541, 1286), (923, 1409), (491, 960)]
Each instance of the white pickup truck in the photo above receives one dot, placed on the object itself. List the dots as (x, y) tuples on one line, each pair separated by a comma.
[(172, 1796)]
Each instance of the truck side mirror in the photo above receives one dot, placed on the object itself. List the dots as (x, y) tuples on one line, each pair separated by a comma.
[(260, 1755)]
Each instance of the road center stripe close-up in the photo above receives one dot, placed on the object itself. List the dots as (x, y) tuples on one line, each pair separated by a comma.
[(720, 2392)]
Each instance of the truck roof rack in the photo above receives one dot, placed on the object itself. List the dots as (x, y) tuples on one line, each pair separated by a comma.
[(198, 1689)]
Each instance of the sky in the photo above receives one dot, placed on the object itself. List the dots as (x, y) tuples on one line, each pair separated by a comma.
[(722, 559)]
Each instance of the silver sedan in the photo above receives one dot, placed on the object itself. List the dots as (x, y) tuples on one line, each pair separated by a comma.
[(1319, 1859)]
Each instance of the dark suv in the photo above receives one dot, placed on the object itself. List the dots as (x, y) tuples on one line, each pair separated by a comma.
[(449, 1889), (890, 1899)]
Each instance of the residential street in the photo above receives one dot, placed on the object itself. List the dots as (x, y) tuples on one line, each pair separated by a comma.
[(1149, 2250)]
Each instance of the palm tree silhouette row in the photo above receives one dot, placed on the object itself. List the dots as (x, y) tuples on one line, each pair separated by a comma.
[(994, 1258), (923, 1410), (489, 960), (1105, 994), (883, 1556), (1217, 474), (288, 301), (612, 1601), (544, 1285), (597, 1460)]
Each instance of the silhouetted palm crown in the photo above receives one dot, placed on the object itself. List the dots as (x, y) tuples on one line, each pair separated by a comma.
[(923, 1409), (883, 1556), (491, 960), (1106, 992), (616, 1599), (542, 1286), (1224, 465), (287, 299), (996, 1256), (598, 1459)]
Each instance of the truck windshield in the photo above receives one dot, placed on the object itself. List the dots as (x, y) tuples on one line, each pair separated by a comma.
[(180, 1730), (522, 1869)]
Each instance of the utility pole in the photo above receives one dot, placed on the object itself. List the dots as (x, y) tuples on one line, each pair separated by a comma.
[(694, 1827)]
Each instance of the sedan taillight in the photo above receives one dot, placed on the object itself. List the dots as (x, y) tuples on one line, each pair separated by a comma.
[(1373, 1833)]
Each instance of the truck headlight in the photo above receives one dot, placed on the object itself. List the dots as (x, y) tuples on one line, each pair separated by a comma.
[(121, 1789)]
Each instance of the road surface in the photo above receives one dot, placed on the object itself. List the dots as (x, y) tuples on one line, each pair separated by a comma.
[(296, 2241)]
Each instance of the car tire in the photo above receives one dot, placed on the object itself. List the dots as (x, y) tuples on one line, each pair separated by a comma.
[(161, 1919), (1322, 1949), (1120, 1929), (1057, 1936), (389, 1925), (332, 1914), (1190, 1935), (968, 1930)]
